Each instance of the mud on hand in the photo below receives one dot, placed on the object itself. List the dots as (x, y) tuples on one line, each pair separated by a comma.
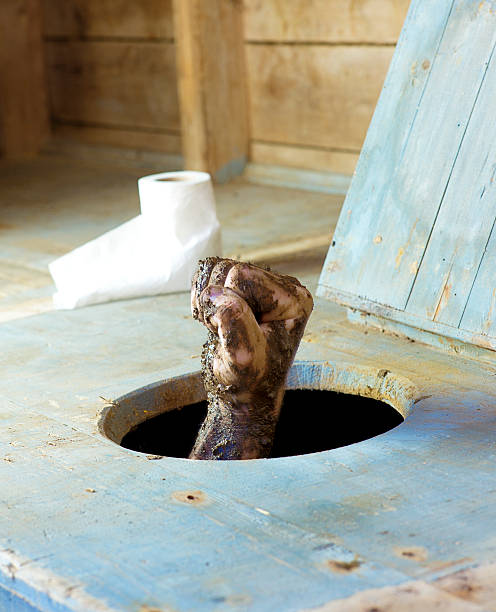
[(255, 319)]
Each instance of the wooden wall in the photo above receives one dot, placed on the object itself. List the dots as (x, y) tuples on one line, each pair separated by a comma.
[(315, 70), (111, 72), (24, 121)]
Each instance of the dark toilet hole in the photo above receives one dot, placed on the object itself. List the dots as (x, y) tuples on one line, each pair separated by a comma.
[(310, 421)]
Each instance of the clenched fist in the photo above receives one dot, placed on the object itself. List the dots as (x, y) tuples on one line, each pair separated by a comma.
[(255, 320)]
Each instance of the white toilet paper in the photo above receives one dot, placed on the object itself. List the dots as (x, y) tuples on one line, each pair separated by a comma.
[(154, 253)]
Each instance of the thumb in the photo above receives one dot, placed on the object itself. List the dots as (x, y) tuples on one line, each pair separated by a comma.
[(227, 315)]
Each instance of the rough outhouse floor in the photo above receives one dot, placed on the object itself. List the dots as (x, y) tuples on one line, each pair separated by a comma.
[(407, 518)]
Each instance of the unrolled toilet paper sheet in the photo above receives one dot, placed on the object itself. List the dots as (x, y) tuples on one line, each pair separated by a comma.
[(156, 252)]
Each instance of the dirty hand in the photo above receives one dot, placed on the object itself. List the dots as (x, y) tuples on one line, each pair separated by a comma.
[(255, 319)]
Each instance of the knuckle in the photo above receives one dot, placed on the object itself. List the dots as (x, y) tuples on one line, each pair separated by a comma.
[(236, 309), (238, 272)]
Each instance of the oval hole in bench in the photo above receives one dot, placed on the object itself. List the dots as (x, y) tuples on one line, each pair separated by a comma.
[(324, 407)]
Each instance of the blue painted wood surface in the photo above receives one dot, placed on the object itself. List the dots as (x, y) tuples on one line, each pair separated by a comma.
[(415, 229), (88, 525), (480, 309)]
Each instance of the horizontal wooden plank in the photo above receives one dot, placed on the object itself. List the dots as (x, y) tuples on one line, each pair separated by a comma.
[(303, 157), (314, 95), (373, 311), (325, 20), (108, 18), (129, 139), (298, 178), (126, 85)]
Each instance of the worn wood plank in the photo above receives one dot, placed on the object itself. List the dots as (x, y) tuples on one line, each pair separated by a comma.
[(150, 19), (479, 315), (310, 158), (270, 529), (459, 238), (212, 86), (395, 197), (213, 542), (403, 321), (314, 95), (333, 21), (87, 525), (124, 85), (443, 337), (24, 118), (385, 141), (127, 138)]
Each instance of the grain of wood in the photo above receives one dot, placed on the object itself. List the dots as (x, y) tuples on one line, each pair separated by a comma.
[(283, 249), (480, 310), (314, 96), (409, 154), (446, 337), (377, 21), (125, 85), (390, 127), (150, 19), (415, 479), (298, 178), (413, 486), (458, 242), (212, 86), (24, 118)]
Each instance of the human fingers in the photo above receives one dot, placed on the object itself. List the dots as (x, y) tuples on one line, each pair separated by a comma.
[(242, 342), (271, 296), (211, 271)]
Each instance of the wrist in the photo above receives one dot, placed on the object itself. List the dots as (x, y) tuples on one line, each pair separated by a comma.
[(239, 426)]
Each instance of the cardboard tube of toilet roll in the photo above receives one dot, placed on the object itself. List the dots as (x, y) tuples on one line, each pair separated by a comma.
[(184, 200)]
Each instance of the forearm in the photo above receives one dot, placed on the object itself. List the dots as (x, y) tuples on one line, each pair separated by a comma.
[(255, 320), (239, 427)]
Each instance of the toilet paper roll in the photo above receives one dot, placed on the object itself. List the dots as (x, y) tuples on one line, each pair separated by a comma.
[(156, 252)]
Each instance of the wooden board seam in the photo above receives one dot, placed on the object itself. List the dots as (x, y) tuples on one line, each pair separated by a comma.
[(316, 43), (298, 145), (477, 272), (110, 39), (455, 159), (115, 126)]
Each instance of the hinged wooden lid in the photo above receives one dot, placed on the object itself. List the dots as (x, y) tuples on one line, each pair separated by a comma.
[(415, 241)]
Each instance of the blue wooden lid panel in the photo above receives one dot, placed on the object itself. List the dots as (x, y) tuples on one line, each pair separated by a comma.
[(414, 238)]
